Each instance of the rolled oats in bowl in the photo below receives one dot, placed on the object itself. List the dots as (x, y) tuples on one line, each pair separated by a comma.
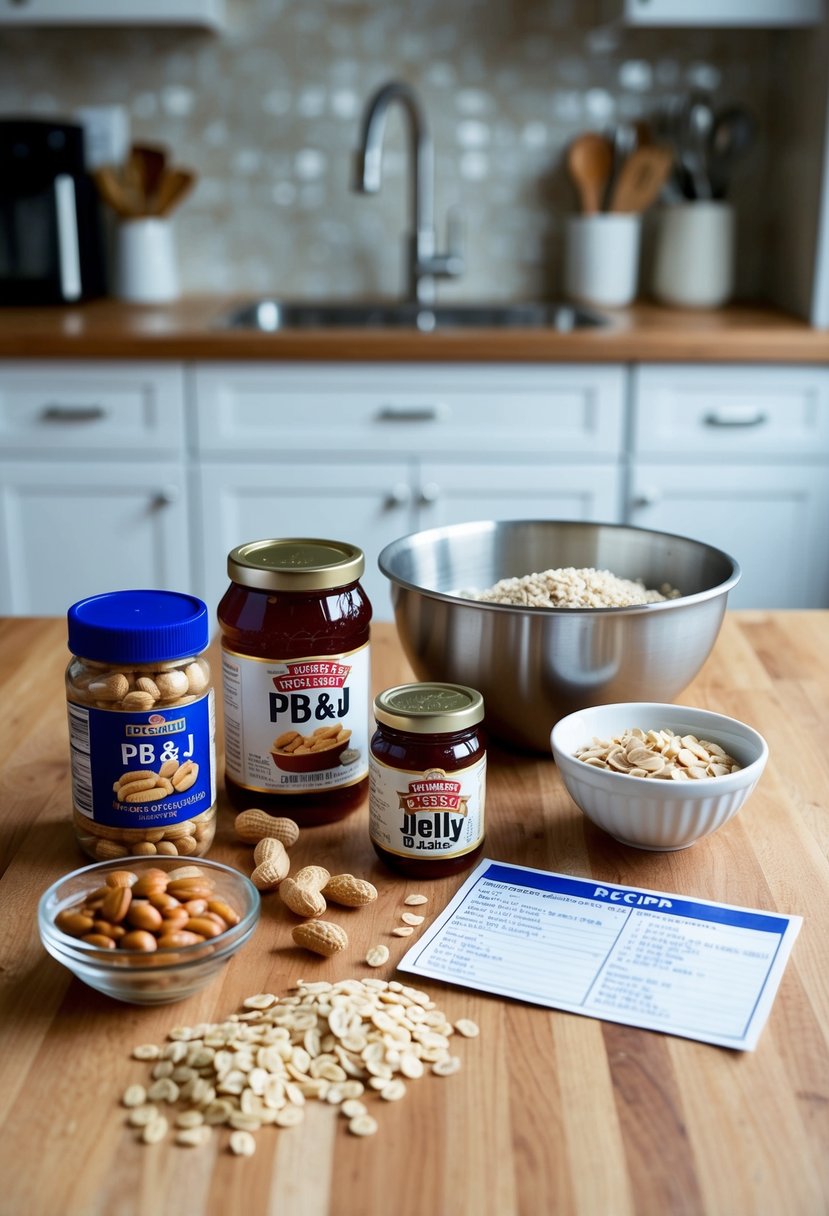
[(568, 587)]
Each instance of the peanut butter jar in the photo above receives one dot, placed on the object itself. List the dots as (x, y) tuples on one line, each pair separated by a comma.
[(295, 673), (142, 725)]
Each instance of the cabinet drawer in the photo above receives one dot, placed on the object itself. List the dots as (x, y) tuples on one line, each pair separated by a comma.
[(130, 410), (727, 412), (381, 408)]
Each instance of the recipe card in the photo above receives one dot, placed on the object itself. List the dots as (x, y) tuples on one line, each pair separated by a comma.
[(663, 962)]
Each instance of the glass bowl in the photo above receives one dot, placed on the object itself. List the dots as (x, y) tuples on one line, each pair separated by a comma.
[(136, 976)]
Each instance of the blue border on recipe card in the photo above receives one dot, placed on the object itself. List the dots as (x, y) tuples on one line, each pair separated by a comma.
[(653, 901)]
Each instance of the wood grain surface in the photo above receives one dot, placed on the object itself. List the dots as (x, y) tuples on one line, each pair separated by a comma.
[(193, 328), (551, 1112)]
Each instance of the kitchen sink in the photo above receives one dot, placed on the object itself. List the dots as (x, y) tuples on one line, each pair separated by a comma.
[(273, 315)]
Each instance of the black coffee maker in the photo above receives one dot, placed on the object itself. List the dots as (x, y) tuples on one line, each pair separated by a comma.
[(51, 246)]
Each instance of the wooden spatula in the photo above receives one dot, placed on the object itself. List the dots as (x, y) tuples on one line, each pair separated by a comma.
[(641, 178)]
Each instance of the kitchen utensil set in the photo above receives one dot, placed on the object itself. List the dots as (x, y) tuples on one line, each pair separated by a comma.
[(623, 174), (708, 144), (146, 185)]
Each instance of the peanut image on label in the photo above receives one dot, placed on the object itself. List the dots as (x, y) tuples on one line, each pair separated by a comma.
[(144, 785), (292, 743)]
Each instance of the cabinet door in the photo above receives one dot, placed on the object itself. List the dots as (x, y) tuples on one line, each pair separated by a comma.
[(771, 518), (68, 531), (454, 493), (368, 504)]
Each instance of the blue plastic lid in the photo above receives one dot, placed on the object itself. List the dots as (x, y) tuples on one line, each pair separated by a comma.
[(138, 627)]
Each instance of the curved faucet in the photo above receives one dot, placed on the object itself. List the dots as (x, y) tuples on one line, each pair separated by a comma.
[(424, 264)]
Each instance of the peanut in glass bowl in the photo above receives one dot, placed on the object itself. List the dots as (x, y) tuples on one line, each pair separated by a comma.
[(136, 976)]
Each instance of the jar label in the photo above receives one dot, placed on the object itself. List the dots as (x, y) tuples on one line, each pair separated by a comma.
[(296, 725), (143, 770), (427, 814)]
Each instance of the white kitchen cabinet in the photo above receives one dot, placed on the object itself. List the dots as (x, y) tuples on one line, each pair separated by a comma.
[(739, 457), (711, 13), (373, 502), (368, 503), (209, 14), (368, 453), (80, 528), (93, 484)]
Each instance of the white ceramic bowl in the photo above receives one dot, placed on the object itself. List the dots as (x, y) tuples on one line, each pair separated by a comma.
[(648, 813)]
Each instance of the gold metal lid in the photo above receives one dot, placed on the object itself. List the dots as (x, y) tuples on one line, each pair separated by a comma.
[(295, 564), (429, 709)]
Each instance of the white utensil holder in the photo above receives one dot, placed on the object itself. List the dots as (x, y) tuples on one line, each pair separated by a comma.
[(694, 254), (146, 269), (601, 259)]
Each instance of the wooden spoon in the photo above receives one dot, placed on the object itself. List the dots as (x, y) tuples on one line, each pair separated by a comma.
[(175, 184), (124, 202), (641, 178), (149, 162), (590, 164)]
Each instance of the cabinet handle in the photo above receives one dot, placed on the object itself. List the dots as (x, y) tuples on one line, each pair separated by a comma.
[(429, 493), (400, 495), (165, 498), (648, 498), (736, 418), (411, 413), (72, 413)]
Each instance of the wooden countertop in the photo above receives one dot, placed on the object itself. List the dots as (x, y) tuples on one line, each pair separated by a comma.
[(551, 1113), (191, 329)]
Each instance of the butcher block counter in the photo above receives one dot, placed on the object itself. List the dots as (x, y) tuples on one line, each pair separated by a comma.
[(551, 1112), (193, 329)]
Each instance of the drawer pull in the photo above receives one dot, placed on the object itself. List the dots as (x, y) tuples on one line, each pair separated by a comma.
[(411, 413), (738, 418), (400, 495), (429, 494), (167, 497), (73, 413)]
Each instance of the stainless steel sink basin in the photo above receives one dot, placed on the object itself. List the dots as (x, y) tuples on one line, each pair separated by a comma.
[(273, 315)]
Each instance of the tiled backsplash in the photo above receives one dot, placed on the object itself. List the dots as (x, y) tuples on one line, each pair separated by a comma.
[(268, 115)]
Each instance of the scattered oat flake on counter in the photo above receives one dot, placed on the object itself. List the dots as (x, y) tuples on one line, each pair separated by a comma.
[(348, 1044), (409, 918), (377, 955), (414, 900)]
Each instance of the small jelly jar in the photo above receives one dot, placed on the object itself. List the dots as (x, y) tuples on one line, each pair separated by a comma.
[(428, 779)]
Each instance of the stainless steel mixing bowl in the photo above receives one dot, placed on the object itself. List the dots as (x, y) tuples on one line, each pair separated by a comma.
[(534, 665)]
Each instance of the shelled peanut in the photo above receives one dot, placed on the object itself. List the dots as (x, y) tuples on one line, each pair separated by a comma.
[(190, 838), (168, 684), (149, 910)]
